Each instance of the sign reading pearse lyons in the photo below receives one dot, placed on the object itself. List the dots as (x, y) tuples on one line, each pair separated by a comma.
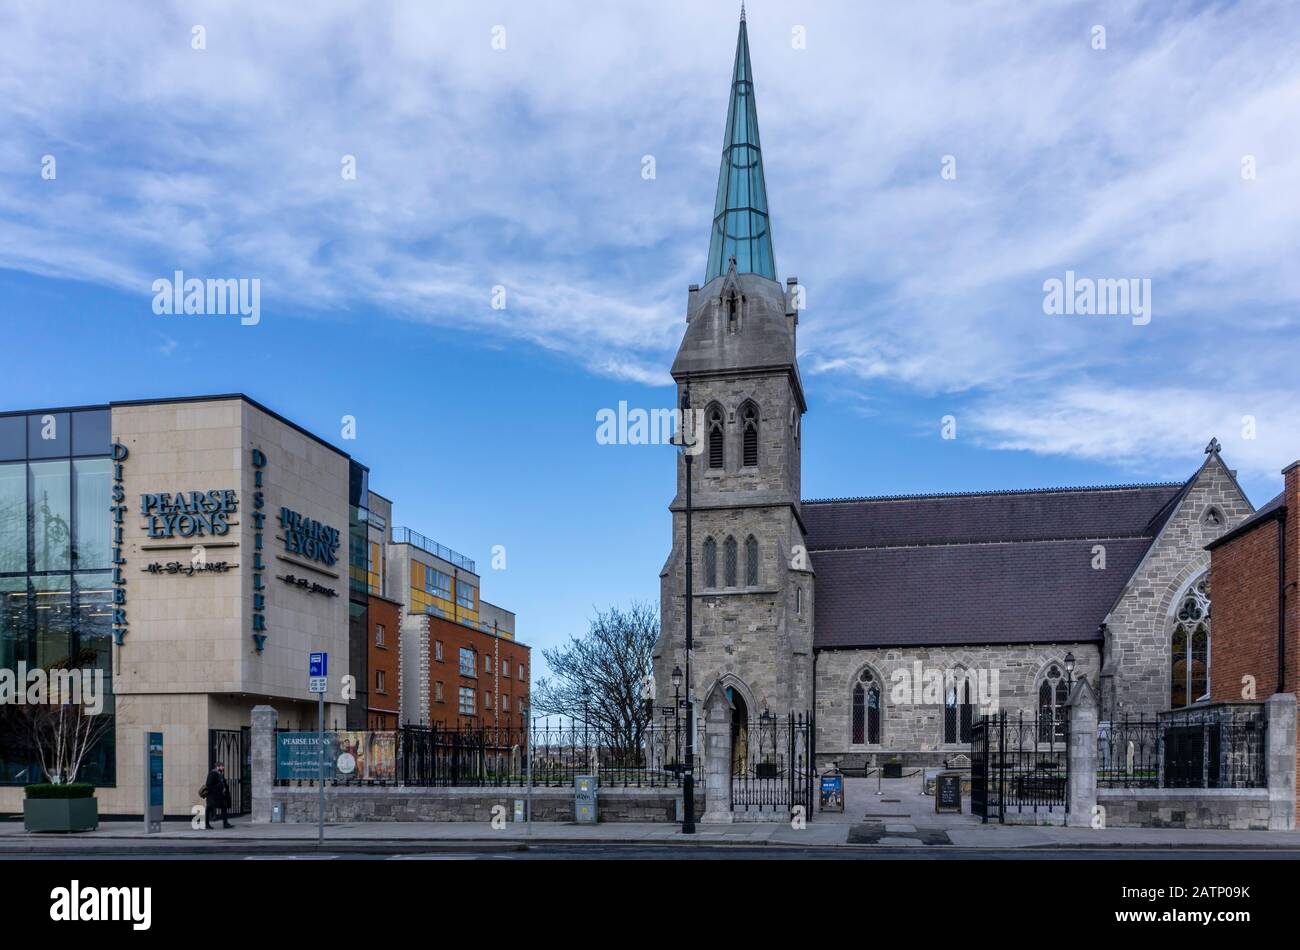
[(309, 538), (188, 514)]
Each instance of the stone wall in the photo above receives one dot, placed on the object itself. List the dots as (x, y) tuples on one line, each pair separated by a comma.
[(1236, 809), (392, 803), (914, 731)]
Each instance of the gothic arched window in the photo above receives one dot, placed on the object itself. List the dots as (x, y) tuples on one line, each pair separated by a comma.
[(729, 560), (749, 433), (866, 709), (733, 312), (958, 712), (1189, 668), (713, 423), (710, 563), (1052, 697), (751, 561)]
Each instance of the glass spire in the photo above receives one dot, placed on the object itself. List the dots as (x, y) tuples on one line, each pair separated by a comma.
[(740, 222)]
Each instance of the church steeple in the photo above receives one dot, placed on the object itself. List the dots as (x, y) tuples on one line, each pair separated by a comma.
[(741, 228)]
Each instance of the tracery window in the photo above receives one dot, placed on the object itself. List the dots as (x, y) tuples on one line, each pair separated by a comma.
[(866, 709), (710, 563), (729, 560), (751, 561), (1189, 676), (749, 440), (1053, 694)]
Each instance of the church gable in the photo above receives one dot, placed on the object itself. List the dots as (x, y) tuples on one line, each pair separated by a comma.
[(1139, 628)]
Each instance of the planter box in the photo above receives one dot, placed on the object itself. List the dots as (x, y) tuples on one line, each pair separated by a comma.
[(893, 770), (61, 814)]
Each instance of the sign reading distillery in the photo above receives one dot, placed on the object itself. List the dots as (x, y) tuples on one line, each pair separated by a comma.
[(309, 538), (192, 514)]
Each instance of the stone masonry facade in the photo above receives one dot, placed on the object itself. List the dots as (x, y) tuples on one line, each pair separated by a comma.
[(1136, 676), (914, 732)]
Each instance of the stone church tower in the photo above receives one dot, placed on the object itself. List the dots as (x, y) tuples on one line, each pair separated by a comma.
[(752, 581)]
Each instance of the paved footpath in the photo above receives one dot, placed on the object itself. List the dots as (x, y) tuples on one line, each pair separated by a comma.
[(891, 814)]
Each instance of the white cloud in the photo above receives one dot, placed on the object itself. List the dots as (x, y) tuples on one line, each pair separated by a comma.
[(522, 167)]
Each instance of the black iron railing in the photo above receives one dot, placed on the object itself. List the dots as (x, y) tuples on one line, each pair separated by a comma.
[(552, 754), (1214, 746), (1128, 753), (1020, 763)]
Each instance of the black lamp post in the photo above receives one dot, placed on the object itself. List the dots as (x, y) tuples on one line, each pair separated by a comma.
[(1069, 672), (688, 781)]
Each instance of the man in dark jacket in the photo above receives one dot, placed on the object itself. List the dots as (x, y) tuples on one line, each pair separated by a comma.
[(218, 797)]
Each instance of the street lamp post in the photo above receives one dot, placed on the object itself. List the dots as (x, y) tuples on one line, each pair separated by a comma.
[(1069, 672), (677, 722), (688, 782)]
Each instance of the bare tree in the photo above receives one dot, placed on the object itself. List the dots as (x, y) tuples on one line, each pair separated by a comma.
[(60, 735), (597, 679)]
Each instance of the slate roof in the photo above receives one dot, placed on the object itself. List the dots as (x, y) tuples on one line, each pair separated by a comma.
[(980, 567)]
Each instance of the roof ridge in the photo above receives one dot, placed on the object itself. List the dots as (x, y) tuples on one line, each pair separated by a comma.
[(1072, 539), (1134, 486)]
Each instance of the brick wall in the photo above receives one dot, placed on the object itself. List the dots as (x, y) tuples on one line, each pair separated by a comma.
[(384, 708), (488, 682)]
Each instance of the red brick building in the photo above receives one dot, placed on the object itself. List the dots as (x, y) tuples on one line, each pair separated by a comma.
[(1255, 650), (384, 706), (476, 678)]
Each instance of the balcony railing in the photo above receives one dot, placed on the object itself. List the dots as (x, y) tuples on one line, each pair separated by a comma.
[(407, 536)]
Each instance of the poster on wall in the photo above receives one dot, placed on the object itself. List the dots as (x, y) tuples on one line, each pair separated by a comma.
[(350, 756)]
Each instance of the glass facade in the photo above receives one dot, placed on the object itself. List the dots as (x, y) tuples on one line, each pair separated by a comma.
[(358, 591), (55, 582)]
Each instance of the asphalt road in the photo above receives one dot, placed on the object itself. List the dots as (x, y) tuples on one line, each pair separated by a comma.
[(669, 852)]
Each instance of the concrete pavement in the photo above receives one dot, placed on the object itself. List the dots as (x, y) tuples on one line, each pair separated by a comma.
[(890, 815)]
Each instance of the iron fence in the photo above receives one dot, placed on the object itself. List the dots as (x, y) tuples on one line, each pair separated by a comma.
[(771, 764), (436, 755), (1214, 746), (1128, 753), (1020, 763)]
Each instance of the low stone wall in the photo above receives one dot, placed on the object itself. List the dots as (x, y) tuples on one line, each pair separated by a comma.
[(396, 803), (1233, 809)]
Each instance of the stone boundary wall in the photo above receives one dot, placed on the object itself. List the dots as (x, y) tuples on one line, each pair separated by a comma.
[(1230, 809), (346, 803)]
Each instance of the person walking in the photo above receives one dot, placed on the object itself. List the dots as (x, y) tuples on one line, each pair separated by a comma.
[(217, 797)]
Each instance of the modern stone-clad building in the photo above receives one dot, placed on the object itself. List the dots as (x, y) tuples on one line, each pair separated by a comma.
[(195, 551), (898, 620)]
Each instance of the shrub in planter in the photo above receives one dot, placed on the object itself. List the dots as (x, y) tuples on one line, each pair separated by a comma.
[(70, 807)]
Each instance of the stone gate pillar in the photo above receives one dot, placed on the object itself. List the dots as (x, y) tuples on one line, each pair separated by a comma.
[(1083, 755), (1280, 710), (263, 777), (717, 757)]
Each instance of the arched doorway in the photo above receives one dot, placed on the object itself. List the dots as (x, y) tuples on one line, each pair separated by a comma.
[(739, 732)]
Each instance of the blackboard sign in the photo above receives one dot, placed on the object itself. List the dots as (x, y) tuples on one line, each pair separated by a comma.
[(832, 792), (947, 792)]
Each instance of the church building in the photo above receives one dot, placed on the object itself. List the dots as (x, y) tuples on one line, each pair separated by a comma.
[(896, 621)]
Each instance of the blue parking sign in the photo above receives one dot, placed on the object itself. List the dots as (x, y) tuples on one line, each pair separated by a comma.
[(317, 664)]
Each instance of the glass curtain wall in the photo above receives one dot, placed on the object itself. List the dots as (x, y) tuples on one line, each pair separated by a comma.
[(55, 549)]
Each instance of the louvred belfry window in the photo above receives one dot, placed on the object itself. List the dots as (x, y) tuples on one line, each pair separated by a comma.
[(749, 424), (716, 436)]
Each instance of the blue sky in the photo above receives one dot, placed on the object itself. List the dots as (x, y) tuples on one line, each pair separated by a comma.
[(522, 167)]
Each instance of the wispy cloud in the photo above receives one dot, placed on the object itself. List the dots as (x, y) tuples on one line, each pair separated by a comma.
[(521, 167)]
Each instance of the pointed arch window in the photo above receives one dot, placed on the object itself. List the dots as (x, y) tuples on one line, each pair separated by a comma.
[(958, 711), (1053, 695), (729, 560), (1189, 668), (751, 561), (733, 312), (866, 709), (713, 423), (710, 562), (749, 435)]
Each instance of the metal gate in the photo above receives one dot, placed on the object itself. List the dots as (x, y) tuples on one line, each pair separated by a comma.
[(773, 772), (1020, 765), (234, 747)]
